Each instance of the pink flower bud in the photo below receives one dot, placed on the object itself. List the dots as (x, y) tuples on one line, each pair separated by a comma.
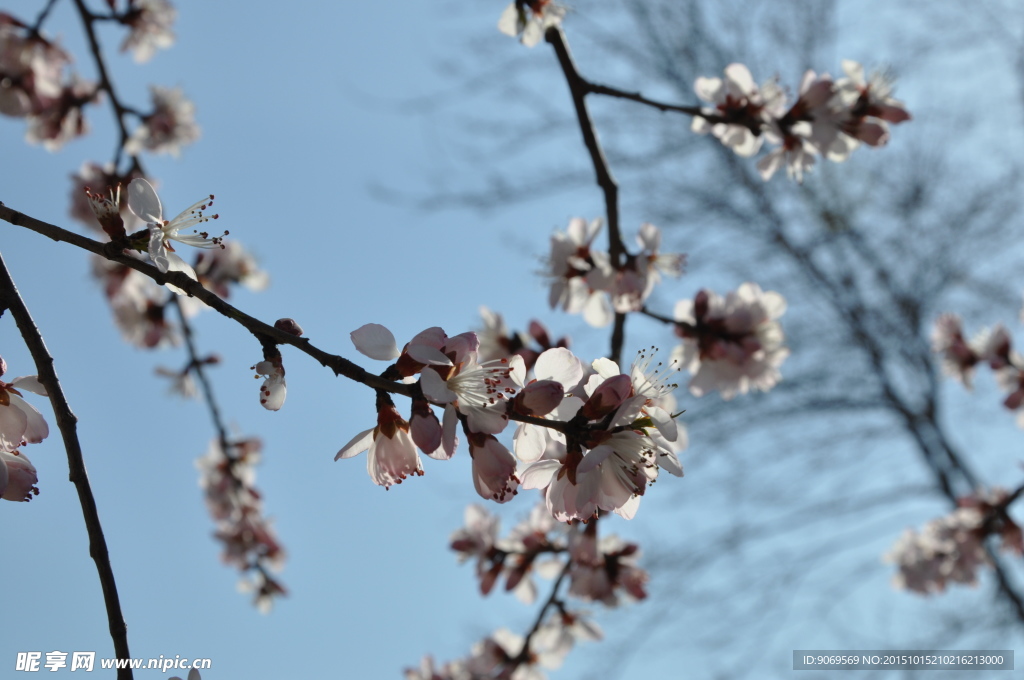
[(288, 326), (539, 398), (608, 397)]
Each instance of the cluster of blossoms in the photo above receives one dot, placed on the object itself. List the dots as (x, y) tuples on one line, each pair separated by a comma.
[(830, 117), (227, 478), (171, 124), (586, 280), (33, 85), (951, 549), (20, 424), (528, 20), (731, 344), (592, 438), (597, 571), (150, 22), (960, 358)]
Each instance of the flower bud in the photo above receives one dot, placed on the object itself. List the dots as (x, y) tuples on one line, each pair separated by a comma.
[(288, 326), (608, 397), (539, 398)]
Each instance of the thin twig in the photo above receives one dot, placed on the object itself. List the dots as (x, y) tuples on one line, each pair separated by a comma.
[(579, 88), (67, 423), (640, 99), (106, 84), (196, 365)]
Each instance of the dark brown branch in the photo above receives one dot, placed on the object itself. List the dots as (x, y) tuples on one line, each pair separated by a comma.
[(196, 366), (67, 423), (106, 84), (579, 89), (260, 330), (640, 99)]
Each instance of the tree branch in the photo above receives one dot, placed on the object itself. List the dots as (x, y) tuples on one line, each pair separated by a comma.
[(67, 423)]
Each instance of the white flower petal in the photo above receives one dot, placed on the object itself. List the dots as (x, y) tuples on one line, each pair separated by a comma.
[(361, 442), (143, 201), (30, 383), (375, 341)]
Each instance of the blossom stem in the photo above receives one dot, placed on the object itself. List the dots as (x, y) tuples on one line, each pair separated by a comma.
[(38, 25), (196, 366), (552, 601), (67, 423), (106, 84), (579, 89)]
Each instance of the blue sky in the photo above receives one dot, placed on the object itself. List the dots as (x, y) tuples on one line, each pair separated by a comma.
[(306, 113)]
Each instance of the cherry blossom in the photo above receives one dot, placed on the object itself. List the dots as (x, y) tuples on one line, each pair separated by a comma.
[(391, 452), (227, 478), (959, 357), (731, 344), (139, 305), (18, 477), (31, 69), (740, 108), (830, 118), (605, 570), (576, 274), (274, 389), (219, 268), (150, 23), (20, 422), (948, 550), (530, 19), (494, 468), (171, 125), (145, 204), (61, 118), (609, 466)]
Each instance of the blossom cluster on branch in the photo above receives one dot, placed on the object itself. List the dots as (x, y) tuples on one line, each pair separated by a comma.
[(21, 424), (830, 118), (951, 549)]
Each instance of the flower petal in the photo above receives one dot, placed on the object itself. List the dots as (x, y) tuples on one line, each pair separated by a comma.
[(375, 341), (143, 201), (361, 442)]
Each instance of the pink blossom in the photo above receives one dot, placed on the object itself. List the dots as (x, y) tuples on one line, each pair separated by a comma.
[(31, 69), (494, 468), (732, 344), (959, 357), (150, 23), (230, 264), (605, 570), (948, 549), (577, 272), (139, 305), (740, 108), (391, 452), (171, 125), (18, 477), (60, 119), (20, 422)]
